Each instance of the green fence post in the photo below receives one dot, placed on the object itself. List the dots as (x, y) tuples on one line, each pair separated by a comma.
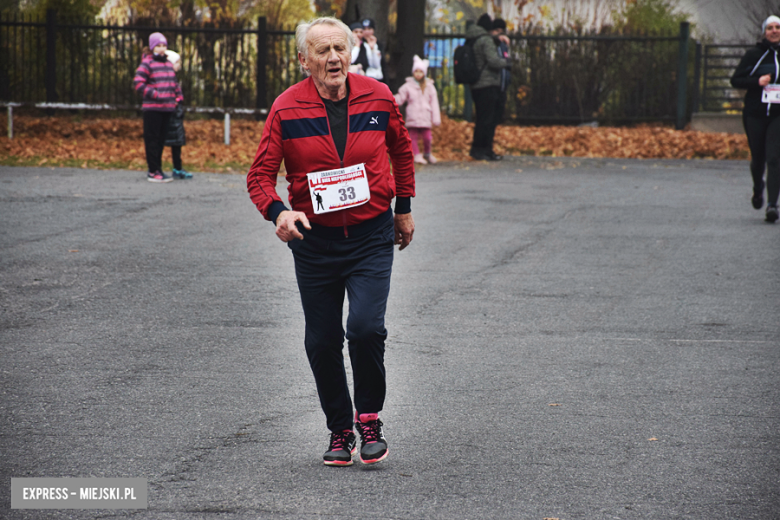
[(468, 101), (697, 79), (682, 75), (51, 56), (262, 60)]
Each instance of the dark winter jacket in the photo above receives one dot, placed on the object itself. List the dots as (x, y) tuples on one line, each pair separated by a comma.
[(362, 57), (156, 80), (487, 58), (175, 134), (757, 61)]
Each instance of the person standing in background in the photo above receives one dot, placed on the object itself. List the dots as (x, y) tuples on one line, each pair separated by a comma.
[(373, 50), (498, 32), (155, 79), (175, 136), (422, 109), (359, 51), (486, 90)]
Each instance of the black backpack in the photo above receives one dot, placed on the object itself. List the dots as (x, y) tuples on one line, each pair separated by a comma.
[(465, 64)]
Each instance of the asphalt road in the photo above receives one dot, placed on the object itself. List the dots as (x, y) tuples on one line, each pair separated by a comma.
[(573, 339)]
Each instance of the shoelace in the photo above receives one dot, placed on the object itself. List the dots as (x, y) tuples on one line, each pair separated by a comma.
[(370, 431), (339, 440)]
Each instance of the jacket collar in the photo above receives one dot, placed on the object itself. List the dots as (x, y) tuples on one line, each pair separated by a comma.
[(308, 92), (764, 44)]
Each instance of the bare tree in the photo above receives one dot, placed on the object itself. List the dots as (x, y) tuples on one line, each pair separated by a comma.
[(758, 10), (407, 42), (377, 10)]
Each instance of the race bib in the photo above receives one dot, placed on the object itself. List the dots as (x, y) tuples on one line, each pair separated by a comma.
[(339, 189), (771, 94)]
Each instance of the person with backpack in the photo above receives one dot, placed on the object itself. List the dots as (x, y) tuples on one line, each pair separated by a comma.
[(486, 90)]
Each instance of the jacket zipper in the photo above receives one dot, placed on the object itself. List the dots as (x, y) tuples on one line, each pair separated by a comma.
[(777, 73)]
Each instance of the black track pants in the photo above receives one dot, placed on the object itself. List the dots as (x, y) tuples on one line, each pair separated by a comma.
[(326, 270), (487, 102), (763, 135), (155, 126), (176, 155)]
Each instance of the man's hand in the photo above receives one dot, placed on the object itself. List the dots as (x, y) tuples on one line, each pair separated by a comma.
[(504, 38), (764, 80), (404, 229), (285, 225)]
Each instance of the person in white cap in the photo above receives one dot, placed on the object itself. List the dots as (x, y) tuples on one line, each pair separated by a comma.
[(422, 109), (758, 73), (373, 50)]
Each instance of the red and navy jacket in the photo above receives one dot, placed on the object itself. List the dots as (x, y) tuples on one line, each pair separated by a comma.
[(297, 131), (156, 80)]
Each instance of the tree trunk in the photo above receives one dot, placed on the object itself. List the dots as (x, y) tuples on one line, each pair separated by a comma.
[(351, 12), (407, 41), (378, 11)]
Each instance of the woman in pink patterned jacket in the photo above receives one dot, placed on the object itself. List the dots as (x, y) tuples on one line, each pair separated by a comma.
[(422, 109), (155, 78)]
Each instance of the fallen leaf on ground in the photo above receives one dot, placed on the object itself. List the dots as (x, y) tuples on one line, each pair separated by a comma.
[(118, 143)]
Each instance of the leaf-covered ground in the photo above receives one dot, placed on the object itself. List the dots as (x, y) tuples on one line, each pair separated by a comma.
[(118, 143)]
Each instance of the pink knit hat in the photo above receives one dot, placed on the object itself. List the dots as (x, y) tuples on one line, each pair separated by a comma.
[(419, 64), (156, 39)]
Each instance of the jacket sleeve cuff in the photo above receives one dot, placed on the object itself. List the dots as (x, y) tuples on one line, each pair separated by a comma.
[(403, 205), (274, 209)]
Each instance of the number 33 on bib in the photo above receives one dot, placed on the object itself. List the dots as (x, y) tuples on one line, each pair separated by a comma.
[(343, 188)]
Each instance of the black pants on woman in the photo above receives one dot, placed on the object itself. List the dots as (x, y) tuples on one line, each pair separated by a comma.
[(155, 127), (763, 135), (487, 102)]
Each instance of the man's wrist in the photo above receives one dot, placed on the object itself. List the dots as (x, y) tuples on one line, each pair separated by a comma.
[(403, 205), (275, 209)]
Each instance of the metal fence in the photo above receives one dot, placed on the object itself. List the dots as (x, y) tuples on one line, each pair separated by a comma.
[(717, 65), (555, 78), (67, 61), (577, 78)]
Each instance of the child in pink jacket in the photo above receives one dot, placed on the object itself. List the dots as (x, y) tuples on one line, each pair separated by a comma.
[(422, 109)]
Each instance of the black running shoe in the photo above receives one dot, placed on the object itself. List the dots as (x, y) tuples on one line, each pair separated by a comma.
[(772, 214), (758, 197), (373, 445), (342, 447)]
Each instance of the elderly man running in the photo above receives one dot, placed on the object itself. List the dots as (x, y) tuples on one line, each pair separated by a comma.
[(334, 131)]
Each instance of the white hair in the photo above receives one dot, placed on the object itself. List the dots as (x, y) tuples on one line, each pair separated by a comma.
[(302, 31)]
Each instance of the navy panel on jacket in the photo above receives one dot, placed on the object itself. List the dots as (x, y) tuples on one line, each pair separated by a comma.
[(369, 121), (297, 128)]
